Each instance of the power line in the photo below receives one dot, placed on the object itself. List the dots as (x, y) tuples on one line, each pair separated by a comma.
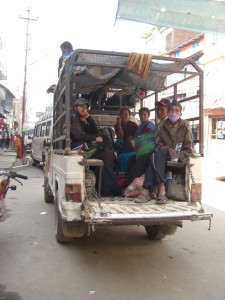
[(28, 19)]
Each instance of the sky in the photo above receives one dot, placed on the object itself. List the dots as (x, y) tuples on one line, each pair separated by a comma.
[(87, 24)]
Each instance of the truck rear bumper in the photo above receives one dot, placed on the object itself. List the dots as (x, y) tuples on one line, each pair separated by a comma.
[(130, 213)]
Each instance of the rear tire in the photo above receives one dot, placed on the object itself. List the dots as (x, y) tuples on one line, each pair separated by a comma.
[(48, 198), (154, 232), (60, 237), (159, 232)]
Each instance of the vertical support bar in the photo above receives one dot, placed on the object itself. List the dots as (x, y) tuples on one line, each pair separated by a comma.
[(55, 97), (156, 100), (67, 103), (121, 101), (201, 121), (100, 181), (175, 92)]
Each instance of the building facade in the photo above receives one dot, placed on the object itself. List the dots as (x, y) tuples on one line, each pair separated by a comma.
[(208, 50)]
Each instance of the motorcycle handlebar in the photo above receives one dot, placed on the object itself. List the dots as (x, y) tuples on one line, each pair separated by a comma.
[(21, 176), (13, 175)]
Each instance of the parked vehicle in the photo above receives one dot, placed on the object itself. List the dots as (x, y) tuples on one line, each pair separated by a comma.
[(28, 138), (41, 140), (5, 180), (103, 77)]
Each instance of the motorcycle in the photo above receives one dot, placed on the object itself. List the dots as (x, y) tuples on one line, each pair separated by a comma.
[(5, 179)]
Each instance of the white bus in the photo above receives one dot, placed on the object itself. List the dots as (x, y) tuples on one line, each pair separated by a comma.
[(41, 139)]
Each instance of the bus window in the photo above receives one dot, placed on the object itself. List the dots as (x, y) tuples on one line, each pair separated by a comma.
[(37, 132), (48, 128), (43, 128)]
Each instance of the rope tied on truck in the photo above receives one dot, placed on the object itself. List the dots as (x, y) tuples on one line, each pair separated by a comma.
[(139, 63)]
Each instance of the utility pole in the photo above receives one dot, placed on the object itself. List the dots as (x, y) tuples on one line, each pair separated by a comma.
[(28, 19)]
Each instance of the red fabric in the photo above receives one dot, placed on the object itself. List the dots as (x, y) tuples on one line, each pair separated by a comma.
[(129, 129)]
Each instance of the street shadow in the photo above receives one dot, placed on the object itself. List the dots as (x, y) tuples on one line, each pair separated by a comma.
[(115, 239), (8, 295)]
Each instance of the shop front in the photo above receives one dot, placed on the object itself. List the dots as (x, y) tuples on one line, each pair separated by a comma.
[(215, 132)]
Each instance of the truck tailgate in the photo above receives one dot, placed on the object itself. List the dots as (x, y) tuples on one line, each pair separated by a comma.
[(128, 212)]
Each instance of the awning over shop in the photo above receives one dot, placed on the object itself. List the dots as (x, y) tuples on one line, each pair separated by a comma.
[(195, 15), (6, 99), (219, 112)]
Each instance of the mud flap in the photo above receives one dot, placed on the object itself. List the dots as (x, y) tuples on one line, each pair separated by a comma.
[(74, 229)]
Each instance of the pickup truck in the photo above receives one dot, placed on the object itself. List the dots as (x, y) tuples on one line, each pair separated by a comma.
[(108, 83)]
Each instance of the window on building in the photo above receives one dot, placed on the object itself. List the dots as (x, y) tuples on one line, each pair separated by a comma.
[(176, 53), (218, 128), (195, 45)]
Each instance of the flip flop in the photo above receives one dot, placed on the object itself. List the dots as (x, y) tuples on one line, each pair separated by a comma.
[(142, 199), (161, 199)]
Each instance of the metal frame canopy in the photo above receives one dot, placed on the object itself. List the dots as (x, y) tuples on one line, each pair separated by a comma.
[(194, 15), (95, 73)]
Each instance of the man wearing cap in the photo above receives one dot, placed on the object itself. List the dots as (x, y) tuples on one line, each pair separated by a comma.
[(83, 130), (83, 127), (162, 107), (172, 131)]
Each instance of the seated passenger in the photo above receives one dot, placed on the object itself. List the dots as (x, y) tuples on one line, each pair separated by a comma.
[(162, 107), (84, 131), (125, 130), (138, 164), (174, 130), (146, 126)]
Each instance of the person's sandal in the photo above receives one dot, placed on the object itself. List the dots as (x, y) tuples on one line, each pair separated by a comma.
[(161, 199), (142, 199)]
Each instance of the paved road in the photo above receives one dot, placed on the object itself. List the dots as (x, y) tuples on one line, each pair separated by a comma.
[(115, 263), (7, 158)]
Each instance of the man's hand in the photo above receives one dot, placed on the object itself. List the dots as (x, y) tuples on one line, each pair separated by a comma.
[(171, 152), (99, 139), (118, 121)]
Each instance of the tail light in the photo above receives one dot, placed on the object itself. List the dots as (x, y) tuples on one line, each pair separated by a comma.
[(73, 192)]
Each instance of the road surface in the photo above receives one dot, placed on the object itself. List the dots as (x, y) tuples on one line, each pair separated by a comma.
[(114, 263)]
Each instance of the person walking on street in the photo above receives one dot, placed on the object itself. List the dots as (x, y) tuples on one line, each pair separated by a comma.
[(7, 141)]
